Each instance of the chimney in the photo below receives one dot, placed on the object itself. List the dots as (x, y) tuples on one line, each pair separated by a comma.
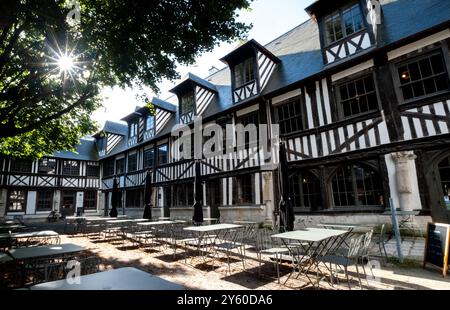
[(212, 70)]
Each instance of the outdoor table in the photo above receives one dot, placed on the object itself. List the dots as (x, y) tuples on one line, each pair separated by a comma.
[(341, 226), (128, 278), (36, 235), (315, 243), (202, 233), (45, 251), (163, 218)]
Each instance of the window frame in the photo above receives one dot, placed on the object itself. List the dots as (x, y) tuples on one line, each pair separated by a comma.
[(302, 115), (23, 166), (152, 129), (158, 157), (133, 127), (353, 78), (300, 174), (248, 65), (68, 170), (340, 13), (135, 162), (237, 188), (190, 94), (48, 199), (415, 58), (23, 204), (123, 163), (89, 200), (145, 159), (354, 189), (109, 163), (91, 172), (47, 160)]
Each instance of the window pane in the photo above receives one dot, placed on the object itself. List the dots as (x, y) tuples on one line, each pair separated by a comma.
[(442, 82), (437, 64), (162, 154), (414, 72), (425, 68), (418, 89)]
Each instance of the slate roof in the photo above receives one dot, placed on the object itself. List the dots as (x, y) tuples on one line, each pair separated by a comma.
[(85, 150), (300, 54)]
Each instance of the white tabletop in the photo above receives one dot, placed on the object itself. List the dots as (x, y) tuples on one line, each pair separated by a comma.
[(212, 227), (310, 234), (156, 223), (45, 250), (119, 221), (31, 234), (339, 225), (117, 279)]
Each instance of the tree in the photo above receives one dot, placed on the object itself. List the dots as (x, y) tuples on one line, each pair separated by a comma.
[(52, 68)]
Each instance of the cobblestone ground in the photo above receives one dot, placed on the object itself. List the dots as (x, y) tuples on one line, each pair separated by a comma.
[(214, 274)]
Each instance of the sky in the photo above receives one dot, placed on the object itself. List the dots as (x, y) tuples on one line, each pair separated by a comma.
[(270, 19)]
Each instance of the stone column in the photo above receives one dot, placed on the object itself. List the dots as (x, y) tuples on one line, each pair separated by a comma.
[(3, 196), (268, 196), (404, 164)]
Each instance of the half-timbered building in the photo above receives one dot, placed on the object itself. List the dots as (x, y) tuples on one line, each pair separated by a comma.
[(361, 95)]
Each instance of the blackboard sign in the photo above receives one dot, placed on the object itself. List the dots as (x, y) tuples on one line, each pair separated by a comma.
[(437, 246)]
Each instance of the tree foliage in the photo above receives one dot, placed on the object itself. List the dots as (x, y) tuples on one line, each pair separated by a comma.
[(116, 42)]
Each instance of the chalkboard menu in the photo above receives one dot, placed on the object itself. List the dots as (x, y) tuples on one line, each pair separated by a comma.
[(437, 245)]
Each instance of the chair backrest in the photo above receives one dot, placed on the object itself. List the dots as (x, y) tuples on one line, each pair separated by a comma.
[(263, 239), (366, 242), (382, 233), (355, 247)]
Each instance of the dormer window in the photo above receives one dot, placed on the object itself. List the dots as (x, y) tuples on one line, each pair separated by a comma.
[(343, 23), (187, 103), (244, 72), (133, 129), (150, 123)]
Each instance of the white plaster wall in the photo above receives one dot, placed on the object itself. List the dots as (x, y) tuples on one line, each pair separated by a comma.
[(31, 202)]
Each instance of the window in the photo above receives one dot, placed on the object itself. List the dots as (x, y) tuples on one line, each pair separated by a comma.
[(44, 200), (289, 116), (21, 165), (17, 200), (244, 72), (251, 118), (71, 167), (149, 158), (133, 128), (120, 165), (343, 23), (92, 169), (90, 200), (357, 96), (134, 199), (162, 154), (108, 167), (423, 76), (47, 165), (132, 162), (150, 123), (187, 103), (244, 189), (355, 185), (305, 190), (184, 194)]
